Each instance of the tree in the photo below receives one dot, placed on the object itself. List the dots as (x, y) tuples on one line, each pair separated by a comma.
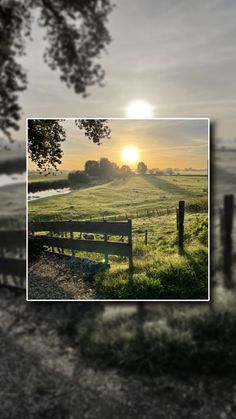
[(169, 171), (45, 138), (76, 33), (141, 168), (125, 171), (92, 168), (106, 168), (95, 129), (44, 142), (78, 177)]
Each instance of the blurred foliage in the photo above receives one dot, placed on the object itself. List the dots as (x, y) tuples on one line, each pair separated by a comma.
[(76, 34)]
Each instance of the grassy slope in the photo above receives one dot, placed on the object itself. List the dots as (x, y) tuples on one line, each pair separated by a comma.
[(121, 196), (159, 271)]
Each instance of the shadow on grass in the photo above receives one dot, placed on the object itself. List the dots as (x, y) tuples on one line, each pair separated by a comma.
[(169, 187)]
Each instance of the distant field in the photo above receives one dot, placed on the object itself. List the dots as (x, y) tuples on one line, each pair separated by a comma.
[(121, 196), (12, 206), (36, 177), (192, 172)]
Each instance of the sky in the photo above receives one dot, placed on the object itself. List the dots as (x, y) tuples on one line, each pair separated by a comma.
[(159, 143), (179, 55)]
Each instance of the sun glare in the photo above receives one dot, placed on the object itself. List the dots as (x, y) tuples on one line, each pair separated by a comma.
[(139, 109), (130, 154)]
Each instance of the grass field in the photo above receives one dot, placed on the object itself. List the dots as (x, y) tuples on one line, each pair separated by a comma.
[(160, 272), (121, 196), (34, 176)]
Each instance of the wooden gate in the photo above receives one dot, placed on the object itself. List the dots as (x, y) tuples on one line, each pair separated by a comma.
[(51, 229), (12, 258)]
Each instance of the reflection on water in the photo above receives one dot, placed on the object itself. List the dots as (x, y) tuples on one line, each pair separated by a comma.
[(33, 196), (12, 179)]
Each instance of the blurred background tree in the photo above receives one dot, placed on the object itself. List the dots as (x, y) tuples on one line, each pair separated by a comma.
[(141, 168), (76, 34)]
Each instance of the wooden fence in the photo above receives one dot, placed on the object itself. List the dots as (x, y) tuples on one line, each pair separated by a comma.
[(148, 213), (12, 257), (52, 229), (226, 231)]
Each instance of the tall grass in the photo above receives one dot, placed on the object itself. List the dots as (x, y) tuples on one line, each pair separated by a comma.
[(180, 339), (161, 277)]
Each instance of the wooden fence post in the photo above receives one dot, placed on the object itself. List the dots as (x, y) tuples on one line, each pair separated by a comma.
[(51, 235), (106, 254), (222, 226), (130, 243), (228, 227), (181, 226), (177, 218), (146, 239), (72, 236)]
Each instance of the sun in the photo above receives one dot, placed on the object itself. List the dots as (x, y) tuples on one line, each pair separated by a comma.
[(139, 109), (130, 154)]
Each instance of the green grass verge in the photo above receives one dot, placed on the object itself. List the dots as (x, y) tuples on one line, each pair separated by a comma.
[(160, 277), (178, 339)]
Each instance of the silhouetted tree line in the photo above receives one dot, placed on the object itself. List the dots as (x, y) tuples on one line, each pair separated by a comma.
[(105, 169), (9, 167)]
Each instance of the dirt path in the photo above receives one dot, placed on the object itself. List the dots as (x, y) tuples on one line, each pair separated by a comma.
[(43, 376), (58, 278)]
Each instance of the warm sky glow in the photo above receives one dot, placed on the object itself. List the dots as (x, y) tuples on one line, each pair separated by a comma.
[(139, 109), (158, 143), (130, 154), (151, 60)]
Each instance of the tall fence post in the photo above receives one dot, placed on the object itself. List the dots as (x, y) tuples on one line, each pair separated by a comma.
[(181, 226), (146, 238), (222, 226), (130, 243), (227, 237), (177, 219)]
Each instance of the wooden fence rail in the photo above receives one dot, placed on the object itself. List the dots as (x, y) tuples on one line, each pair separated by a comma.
[(105, 228), (12, 257)]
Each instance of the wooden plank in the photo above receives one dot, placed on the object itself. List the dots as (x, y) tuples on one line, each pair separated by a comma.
[(12, 239), (114, 228), (112, 248), (15, 267)]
